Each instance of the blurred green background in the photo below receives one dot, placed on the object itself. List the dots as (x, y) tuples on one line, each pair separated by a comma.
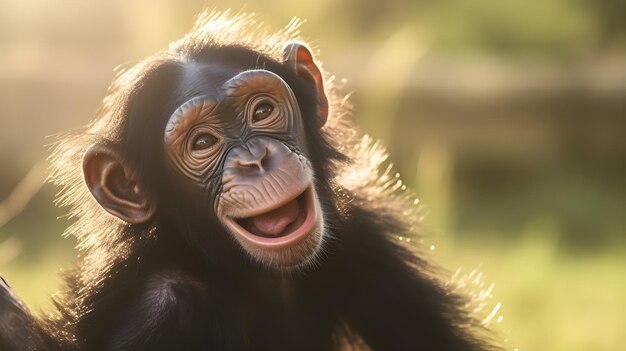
[(506, 118)]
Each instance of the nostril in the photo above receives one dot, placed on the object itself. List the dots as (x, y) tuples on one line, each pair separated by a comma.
[(251, 166), (266, 156)]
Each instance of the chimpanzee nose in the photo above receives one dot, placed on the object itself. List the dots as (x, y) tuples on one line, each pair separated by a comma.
[(252, 158)]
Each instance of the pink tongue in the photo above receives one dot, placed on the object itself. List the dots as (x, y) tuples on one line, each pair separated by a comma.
[(275, 222)]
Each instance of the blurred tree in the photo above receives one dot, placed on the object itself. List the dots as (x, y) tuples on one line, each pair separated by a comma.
[(611, 20)]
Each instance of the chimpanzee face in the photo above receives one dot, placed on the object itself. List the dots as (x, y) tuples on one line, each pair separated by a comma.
[(242, 145)]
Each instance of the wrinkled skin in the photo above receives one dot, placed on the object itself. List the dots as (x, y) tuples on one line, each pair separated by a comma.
[(245, 138)]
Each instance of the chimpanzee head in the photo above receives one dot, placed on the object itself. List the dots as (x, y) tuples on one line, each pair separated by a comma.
[(221, 137)]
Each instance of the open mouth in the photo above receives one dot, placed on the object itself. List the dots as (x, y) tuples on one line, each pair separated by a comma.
[(281, 225)]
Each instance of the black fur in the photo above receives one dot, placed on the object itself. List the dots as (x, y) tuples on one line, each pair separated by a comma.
[(181, 283)]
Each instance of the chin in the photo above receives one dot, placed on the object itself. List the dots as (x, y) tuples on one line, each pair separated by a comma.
[(285, 236)]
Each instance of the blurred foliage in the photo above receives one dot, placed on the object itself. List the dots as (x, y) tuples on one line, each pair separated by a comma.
[(505, 117)]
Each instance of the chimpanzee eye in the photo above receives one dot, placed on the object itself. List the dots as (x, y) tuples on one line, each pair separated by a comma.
[(262, 111), (204, 141)]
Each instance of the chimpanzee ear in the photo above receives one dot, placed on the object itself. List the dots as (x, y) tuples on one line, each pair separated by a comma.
[(114, 187), (300, 58)]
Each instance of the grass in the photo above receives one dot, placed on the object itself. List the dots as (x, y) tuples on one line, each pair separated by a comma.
[(551, 301)]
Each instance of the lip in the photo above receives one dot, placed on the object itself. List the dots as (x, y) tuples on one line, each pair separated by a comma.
[(286, 240)]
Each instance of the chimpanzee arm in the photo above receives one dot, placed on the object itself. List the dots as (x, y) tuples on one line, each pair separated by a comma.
[(162, 318), (17, 326)]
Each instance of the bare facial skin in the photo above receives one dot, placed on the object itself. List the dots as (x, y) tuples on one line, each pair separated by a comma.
[(250, 135)]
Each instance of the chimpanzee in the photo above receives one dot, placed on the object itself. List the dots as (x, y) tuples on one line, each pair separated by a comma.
[(217, 216)]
